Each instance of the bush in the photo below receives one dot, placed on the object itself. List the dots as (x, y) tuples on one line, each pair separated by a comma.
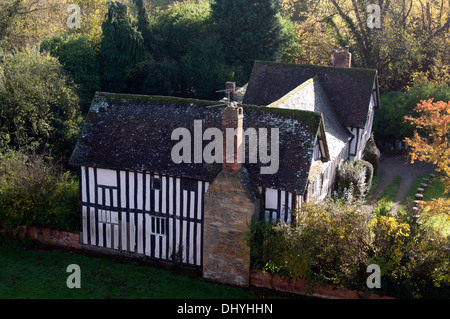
[(354, 176), (36, 192), (372, 154), (334, 243), (413, 259), (329, 243)]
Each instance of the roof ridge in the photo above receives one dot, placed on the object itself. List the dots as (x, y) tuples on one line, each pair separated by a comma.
[(274, 63)]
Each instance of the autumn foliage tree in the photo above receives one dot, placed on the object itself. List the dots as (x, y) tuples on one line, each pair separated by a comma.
[(430, 143), (409, 47)]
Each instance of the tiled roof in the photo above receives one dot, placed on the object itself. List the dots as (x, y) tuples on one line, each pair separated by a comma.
[(310, 96), (348, 89), (133, 132)]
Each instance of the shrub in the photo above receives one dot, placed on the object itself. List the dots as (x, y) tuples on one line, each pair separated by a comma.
[(334, 243), (328, 243), (414, 260), (372, 154), (355, 176), (36, 192)]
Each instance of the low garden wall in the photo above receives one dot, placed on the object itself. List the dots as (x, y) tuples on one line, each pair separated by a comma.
[(262, 279), (45, 235)]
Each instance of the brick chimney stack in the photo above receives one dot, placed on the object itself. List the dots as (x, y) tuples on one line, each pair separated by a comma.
[(343, 59), (230, 87), (232, 130)]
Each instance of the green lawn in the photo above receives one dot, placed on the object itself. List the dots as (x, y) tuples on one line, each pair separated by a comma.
[(387, 198), (434, 190), (29, 270), (413, 189)]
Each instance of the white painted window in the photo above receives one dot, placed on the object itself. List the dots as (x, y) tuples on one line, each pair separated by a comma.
[(158, 225)]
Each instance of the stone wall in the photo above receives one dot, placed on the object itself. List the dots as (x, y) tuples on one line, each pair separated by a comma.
[(230, 204)]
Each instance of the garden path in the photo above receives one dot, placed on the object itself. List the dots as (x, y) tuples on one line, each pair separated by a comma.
[(393, 165)]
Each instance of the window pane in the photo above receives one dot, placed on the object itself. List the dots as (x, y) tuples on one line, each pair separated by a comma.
[(153, 224), (156, 183)]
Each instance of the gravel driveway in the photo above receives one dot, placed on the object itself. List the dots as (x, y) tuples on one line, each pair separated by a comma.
[(393, 165)]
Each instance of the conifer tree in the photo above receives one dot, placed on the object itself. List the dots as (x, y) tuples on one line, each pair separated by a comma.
[(122, 47), (143, 25), (249, 29)]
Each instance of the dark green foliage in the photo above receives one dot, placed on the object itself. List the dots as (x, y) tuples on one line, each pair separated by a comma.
[(39, 107), (249, 30), (188, 59), (122, 46), (185, 53), (79, 59), (154, 78), (372, 154), (36, 192), (389, 124), (203, 67), (144, 26)]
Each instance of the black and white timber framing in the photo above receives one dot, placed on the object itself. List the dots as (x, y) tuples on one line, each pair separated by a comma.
[(142, 213), (155, 215)]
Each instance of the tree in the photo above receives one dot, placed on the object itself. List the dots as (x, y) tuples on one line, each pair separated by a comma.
[(414, 35), (39, 106), (431, 143), (27, 22), (188, 57), (79, 59), (249, 31), (92, 16), (389, 124), (122, 46), (144, 26)]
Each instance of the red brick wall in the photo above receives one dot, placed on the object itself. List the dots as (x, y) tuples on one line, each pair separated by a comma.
[(47, 236), (299, 286)]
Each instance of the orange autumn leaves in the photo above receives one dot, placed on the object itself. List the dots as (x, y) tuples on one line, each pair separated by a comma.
[(430, 143)]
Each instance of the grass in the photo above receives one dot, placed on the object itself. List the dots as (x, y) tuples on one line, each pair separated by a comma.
[(434, 190), (30, 270), (387, 198), (375, 181)]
